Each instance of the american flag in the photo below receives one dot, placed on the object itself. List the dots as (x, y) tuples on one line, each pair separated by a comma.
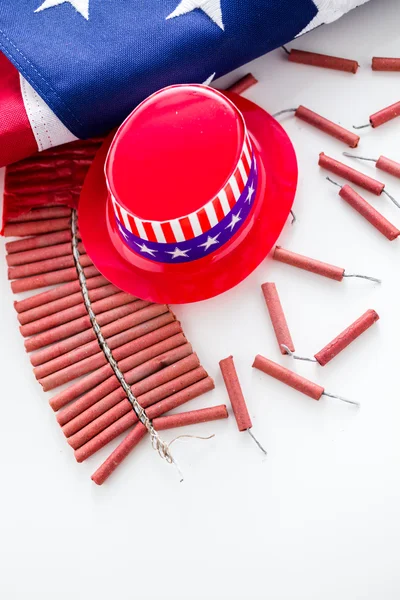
[(76, 68)]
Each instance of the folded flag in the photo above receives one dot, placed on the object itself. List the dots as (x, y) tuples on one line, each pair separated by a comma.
[(76, 68)]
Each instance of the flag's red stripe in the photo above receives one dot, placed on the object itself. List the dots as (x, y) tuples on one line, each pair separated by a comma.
[(218, 209), (168, 233), (133, 227), (203, 220), (148, 227), (17, 139), (187, 228), (230, 196)]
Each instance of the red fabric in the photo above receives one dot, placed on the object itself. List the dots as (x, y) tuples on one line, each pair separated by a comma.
[(17, 139)]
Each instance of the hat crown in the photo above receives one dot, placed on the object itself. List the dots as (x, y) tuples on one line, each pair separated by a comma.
[(175, 152)]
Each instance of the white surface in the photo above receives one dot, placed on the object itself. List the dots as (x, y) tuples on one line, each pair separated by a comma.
[(319, 518)]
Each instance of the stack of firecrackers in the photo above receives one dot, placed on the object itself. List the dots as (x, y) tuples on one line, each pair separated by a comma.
[(145, 338)]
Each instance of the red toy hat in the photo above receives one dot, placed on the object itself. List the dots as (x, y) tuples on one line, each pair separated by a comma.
[(196, 188)]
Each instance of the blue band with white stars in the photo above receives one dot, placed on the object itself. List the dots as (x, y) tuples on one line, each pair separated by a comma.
[(204, 244)]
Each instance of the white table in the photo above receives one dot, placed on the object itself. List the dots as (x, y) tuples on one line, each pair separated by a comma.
[(319, 518)]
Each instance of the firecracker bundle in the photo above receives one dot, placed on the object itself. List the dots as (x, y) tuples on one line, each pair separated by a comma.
[(145, 338)]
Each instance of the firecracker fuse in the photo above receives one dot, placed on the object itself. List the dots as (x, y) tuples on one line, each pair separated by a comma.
[(344, 339), (315, 266)]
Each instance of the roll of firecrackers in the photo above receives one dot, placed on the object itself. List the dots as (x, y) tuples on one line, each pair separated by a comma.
[(147, 340)]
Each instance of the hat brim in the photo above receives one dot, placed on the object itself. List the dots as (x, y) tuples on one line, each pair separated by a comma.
[(224, 268)]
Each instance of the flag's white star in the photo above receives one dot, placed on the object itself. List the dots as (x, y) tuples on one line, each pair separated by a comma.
[(81, 6), (143, 248), (210, 242), (177, 253), (235, 219), (212, 8), (250, 194), (209, 80), (330, 10)]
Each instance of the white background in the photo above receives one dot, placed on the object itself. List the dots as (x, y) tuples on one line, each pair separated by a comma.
[(318, 519)]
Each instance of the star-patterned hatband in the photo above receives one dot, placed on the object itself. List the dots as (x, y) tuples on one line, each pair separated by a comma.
[(204, 244)]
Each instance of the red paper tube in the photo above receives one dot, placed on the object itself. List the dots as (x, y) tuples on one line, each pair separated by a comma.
[(72, 150), (46, 170), (323, 60), (235, 393), (87, 336), (336, 131), (79, 325), (171, 387), (40, 241), (35, 314), (62, 291), (385, 115), (108, 385), (39, 214), (172, 380), (346, 337), (46, 279), (308, 264), (80, 388), (119, 454), (299, 383), (75, 312), (133, 438), (43, 186), (128, 350), (380, 63), (388, 165), (47, 266), (242, 84), (193, 417), (277, 317), (40, 254), (36, 227), (71, 419), (122, 425), (369, 213), (114, 406), (89, 357), (384, 164), (334, 166)]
